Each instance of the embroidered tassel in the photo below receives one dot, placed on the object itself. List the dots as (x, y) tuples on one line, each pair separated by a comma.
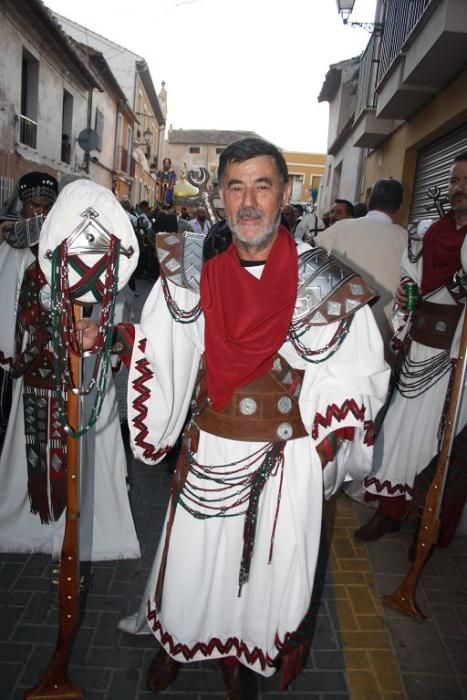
[(57, 497), (292, 664), (39, 497)]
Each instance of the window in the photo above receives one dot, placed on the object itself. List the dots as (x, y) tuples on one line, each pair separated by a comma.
[(29, 99), (118, 154), (99, 127), (7, 186), (297, 182), (67, 120), (194, 149), (129, 145)]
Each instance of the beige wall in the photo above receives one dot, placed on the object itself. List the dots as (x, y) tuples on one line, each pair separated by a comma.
[(310, 165), (397, 157), (180, 156)]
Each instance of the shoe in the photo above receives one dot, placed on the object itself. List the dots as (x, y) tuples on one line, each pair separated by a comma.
[(378, 526), (240, 682), (162, 672)]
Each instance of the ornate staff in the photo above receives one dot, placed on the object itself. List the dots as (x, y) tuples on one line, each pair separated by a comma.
[(196, 193), (403, 598), (55, 682), (75, 256)]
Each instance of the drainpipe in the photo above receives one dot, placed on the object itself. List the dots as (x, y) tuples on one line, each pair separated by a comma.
[(86, 153), (358, 181)]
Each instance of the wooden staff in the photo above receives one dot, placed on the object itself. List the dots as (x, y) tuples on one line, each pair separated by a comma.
[(55, 684), (403, 599)]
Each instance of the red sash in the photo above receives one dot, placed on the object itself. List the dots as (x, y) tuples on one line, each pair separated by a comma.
[(442, 245), (247, 319)]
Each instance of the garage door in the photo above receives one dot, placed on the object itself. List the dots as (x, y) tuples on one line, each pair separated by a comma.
[(433, 165)]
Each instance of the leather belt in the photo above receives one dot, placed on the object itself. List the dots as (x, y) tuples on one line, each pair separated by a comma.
[(265, 410), (435, 324)]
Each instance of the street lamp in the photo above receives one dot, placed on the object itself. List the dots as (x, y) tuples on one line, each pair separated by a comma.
[(345, 9), (147, 136)]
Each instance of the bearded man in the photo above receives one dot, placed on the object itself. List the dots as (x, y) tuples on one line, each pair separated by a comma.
[(282, 362)]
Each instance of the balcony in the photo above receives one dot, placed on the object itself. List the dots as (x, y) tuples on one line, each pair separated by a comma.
[(424, 46), (27, 131), (367, 76), (368, 131)]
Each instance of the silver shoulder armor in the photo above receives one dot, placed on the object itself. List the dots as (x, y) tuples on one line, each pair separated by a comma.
[(328, 290), (180, 258)]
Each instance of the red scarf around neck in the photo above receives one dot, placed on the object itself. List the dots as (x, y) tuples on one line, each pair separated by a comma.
[(247, 319), (442, 245)]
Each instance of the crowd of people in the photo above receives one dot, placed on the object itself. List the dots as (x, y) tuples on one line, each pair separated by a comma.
[(276, 352)]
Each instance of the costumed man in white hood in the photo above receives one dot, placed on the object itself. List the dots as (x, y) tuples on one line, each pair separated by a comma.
[(33, 462), (282, 360), (21, 218)]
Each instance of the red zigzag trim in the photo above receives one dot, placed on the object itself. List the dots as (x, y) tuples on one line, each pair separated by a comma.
[(387, 486), (333, 412), (231, 647), (139, 404)]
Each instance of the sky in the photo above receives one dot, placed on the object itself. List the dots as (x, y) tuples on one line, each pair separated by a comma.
[(248, 65)]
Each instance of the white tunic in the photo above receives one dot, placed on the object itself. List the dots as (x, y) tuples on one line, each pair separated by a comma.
[(202, 615), (107, 530)]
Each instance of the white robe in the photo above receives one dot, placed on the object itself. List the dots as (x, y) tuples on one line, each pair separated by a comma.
[(202, 616), (107, 530)]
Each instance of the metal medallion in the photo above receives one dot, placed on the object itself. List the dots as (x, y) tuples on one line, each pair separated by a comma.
[(284, 404), (284, 431), (45, 297), (248, 406)]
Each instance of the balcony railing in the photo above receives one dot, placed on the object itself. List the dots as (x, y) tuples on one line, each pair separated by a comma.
[(399, 22), (367, 78), (27, 131)]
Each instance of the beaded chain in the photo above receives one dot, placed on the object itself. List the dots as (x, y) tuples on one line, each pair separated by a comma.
[(66, 338), (414, 242), (296, 330), (179, 315), (416, 378), (222, 494)]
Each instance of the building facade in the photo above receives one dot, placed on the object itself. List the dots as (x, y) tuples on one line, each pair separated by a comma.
[(305, 173), (45, 94), (190, 149), (410, 112), (140, 148)]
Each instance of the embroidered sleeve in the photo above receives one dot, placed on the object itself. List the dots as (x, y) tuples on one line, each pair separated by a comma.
[(162, 372), (340, 399)]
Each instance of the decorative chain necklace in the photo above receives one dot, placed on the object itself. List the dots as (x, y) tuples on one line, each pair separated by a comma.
[(178, 314), (296, 330), (234, 489), (416, 377), (66, 338)]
